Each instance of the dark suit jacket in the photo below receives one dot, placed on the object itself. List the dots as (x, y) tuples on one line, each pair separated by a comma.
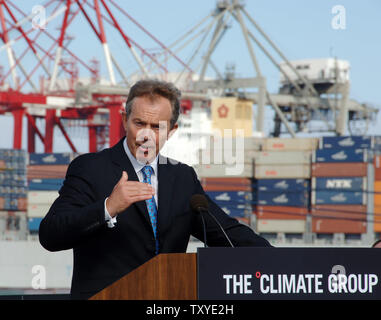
[(102, 255)]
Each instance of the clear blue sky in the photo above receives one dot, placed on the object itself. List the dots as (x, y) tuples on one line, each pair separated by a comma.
[(301, 29)]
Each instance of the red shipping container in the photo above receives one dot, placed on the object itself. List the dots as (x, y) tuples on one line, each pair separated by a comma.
[(377, 219), (377, 167), (226, 184), (329, 225), (350, 169), (46, 172), (281, 212), (345, 212)]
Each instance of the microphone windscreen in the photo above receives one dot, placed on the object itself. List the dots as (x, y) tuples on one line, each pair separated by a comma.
[(199, 201)]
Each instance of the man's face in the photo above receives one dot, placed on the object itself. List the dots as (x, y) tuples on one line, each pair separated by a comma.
[(148, 127)]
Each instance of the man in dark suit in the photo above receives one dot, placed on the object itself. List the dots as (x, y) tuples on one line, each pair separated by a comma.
[(120, 207)]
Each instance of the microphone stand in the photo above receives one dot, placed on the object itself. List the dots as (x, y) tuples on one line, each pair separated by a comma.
[(217, 222)]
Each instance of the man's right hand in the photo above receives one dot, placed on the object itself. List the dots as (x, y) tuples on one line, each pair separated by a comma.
[(126, 193)]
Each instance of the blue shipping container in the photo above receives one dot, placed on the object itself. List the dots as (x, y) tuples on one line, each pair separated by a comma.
[(377, 143), (234, 210), (337, 184), (340, 155), (45, 184), (230, 196), (49, 158), (34, 224), (294, 198), (282, 184), (351, 142), (338, 197)]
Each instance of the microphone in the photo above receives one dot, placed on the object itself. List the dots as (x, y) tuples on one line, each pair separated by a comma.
[(200, 204)]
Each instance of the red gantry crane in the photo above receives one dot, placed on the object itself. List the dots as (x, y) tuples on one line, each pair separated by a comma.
[(38, 47)]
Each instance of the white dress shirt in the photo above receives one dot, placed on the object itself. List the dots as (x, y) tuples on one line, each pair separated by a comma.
[(138, 169)]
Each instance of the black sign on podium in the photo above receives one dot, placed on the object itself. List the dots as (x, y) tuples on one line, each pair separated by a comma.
[(289, 273)]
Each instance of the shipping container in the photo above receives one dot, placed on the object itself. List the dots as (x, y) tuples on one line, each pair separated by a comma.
[(38, 210), (340, 155), (283, 198), (280, 226), (339, 183), (281, 212), (226, 156), (234, 197), (243, 170), (283, 184), (13, 203), (226, 184), (327, 225), (56, 171), (338, 197), (377, 143), (345, 212), (237, 143), (351, 142), (377, 193), (377, 218), (13, 178), (50, 158), (235, 210), (282, 171), (377, 167), (34, 224), (290, 144), (45, 184), (42, 197), (339, 169), (283, 157), (13, 225), (232, 114)]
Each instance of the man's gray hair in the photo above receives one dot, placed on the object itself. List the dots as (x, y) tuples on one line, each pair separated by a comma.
[(152, 89)]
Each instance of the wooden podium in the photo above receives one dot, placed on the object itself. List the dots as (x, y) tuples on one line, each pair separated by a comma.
[(165, 277)]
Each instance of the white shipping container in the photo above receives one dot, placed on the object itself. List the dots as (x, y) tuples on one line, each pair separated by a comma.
[(236, 143), (42, 197), (38, 210), (290, 144), (281, 225), (282, 171), (243, 170), (227, 157), (283, 157)]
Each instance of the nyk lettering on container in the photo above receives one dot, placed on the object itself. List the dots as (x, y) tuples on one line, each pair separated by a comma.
[(300, 283)]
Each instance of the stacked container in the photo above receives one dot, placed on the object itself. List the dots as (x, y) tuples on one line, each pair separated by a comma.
[(339, 185), (377, 193), (282, 177), (226, 170), (46, 172), (13, 194), (228, 157), (233, 195)]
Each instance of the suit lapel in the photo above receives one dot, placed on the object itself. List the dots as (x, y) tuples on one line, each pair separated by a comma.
[(166, 174), (123, 163)]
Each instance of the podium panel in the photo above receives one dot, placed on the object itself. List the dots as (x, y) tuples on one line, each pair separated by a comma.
[(165, 277), (289, 273)]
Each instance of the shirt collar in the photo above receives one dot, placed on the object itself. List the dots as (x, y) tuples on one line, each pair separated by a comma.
[(135, 163)]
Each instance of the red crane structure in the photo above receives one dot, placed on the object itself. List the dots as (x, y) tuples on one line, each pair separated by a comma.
[(36, 53)]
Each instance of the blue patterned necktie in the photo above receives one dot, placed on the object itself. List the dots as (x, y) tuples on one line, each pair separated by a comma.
[(151, 204)]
